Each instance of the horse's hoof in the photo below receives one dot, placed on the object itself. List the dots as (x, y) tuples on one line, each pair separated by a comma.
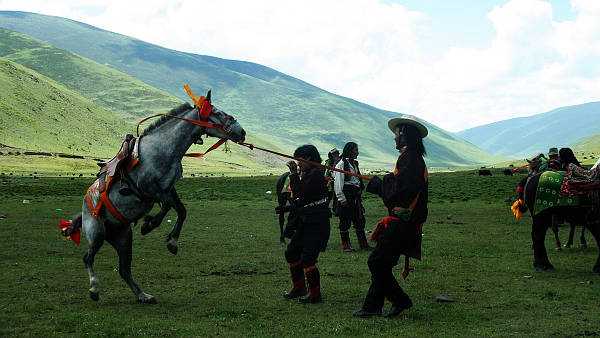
[(146, 228), (544, 267), (282, 241), (173, 247), (567, 245), (94, 295), (583, 246), (558, 248), (147, 299)]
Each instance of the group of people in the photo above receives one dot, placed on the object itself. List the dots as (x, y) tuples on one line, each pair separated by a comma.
[(565, 160), (403, 192)]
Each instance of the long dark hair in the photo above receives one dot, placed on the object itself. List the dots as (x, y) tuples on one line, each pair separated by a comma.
[(308, 151), (414, 142), (348, 148), (566, 156)]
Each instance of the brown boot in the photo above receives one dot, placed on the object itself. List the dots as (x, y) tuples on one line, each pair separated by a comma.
[(362, 240), (313, 279), (346, 246), (298, 284)]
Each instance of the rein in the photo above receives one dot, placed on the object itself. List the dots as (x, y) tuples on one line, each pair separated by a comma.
[(251, 146), (204, 109)]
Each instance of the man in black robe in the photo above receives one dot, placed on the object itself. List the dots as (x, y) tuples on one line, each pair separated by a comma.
[(405, 194), (311, 201)]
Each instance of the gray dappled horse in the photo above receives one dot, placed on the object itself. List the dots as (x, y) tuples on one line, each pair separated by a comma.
[(161, 148)]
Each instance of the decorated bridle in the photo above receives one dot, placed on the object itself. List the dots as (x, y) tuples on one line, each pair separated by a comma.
[(205, 109)]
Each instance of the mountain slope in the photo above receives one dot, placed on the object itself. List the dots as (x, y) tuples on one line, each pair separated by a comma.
[(279, 108), (40, 114), (123, 94), (527, 136)]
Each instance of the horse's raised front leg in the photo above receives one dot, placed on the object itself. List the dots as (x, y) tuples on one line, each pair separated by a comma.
[(152, 222), (173, 237), (120, 237), (95, 233)]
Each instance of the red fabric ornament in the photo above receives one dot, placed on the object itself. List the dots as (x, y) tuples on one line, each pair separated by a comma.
[(205, 110)]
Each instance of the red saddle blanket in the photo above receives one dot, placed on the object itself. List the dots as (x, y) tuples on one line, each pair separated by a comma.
[(569, 188)]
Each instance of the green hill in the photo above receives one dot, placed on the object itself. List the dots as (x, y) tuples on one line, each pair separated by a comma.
[(527, 136), (39, 114), (271, 105), (123, 94), (588, 149)]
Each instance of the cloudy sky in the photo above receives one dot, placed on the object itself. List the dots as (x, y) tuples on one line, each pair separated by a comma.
[(456, 64)]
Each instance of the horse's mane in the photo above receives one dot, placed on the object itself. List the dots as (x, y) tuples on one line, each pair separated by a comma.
[(175, 111)]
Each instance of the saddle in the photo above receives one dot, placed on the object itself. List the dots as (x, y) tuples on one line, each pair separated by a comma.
[(111, 166)]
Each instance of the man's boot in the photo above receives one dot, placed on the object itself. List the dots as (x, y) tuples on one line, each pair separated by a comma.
[(298, 286), (313, 279), (346, 246), (362, 239)]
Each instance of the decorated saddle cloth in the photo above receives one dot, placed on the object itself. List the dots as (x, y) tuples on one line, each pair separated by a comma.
[(547, 194), (97, 193)]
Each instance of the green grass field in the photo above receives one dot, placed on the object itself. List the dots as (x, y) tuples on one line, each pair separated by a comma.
[(230, 273)]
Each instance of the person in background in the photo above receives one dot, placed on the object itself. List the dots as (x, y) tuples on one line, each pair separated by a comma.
[(553, 162), (405, 193), (333, 157), (566, 157), (309, 189), (348, 190)]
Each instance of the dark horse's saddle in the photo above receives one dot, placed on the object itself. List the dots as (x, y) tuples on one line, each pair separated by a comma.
[(111, 166)]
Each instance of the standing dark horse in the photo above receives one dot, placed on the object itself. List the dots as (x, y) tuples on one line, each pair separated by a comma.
[(576, 214), (536, 166), (160, 150)]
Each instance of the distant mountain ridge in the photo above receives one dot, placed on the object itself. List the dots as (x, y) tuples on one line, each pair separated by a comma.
[(527, 136), (271, 105)]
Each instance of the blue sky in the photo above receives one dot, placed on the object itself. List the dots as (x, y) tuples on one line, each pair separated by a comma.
[(457, 64)]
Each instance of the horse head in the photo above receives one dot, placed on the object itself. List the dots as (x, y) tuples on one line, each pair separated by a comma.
[(535, 164), (231, 130)]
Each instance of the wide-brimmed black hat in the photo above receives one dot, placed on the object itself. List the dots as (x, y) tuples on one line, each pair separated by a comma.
[(410, 120)]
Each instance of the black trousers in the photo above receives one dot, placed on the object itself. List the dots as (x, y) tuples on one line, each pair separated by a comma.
[(308, 241), (390, 245), (351, 214)]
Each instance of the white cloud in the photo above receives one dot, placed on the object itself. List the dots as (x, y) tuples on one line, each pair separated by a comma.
[(372, 52)]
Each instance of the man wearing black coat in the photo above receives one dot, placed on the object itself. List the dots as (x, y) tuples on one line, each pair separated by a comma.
[(405, 194), (311, 202)]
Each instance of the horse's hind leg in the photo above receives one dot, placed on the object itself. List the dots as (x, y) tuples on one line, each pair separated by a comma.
[(555, 230), (582, 238), (595, 231), (121, 238), (94, 232), (571, 234)]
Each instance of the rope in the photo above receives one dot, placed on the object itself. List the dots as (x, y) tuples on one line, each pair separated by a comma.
[(251, 146)]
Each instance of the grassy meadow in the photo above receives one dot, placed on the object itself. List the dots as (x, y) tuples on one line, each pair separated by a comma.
[(230, 273)]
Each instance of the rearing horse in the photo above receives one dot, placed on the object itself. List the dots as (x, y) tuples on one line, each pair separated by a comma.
[(160, 151)]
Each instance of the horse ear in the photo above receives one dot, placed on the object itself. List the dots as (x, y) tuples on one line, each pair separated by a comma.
[(528, 161), (208, 96)]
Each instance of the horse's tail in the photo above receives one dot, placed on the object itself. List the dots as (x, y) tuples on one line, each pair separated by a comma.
[(71, 229)]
